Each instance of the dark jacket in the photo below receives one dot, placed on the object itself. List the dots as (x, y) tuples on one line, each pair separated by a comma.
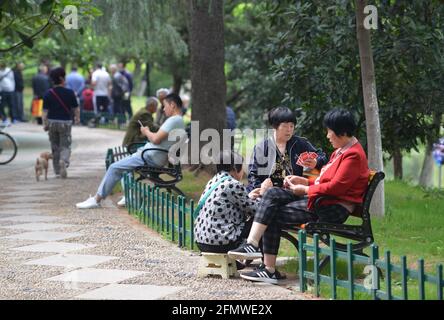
[(18, 77), (133, 132), (40, 85), (264, 157), (231, 119)]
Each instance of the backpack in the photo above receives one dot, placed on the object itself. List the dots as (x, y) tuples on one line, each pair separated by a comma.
[(120, 87)]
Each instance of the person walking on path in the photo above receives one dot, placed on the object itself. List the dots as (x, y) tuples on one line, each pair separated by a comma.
[(7, 87), (18, 92), (58, 105), (40, 85), (158, 140)]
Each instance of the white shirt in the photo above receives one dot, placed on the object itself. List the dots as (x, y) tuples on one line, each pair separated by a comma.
[(158, 157), (102, 81), (7, 82)]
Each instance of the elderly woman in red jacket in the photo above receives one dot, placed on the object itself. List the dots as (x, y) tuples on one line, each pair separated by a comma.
[(345, 177)]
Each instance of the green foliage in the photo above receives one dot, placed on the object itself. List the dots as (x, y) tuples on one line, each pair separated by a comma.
[(305, 55), (409, 55), (301, 55), (22, 22), (248, 54), (82, 50), (141, 29)]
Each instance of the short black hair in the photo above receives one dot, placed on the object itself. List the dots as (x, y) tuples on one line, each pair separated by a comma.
[(57, 75), (279, 115), (341, 122), (229, 160), (173, 97)]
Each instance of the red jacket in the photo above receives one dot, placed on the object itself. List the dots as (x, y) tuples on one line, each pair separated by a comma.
[(346, 179)]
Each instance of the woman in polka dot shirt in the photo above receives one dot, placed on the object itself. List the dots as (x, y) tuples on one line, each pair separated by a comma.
[(225, 218)]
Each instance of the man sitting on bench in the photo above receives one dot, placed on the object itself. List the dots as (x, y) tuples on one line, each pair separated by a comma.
[(345, 177), (173, 110)]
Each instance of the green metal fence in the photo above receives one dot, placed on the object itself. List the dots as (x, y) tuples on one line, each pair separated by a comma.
[(168, 214), (385, 280), (173, 217)]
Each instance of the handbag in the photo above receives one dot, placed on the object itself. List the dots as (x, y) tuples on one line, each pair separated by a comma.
[(37, 107)]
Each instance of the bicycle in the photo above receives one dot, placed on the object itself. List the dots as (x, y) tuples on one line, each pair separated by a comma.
[(8, 146)]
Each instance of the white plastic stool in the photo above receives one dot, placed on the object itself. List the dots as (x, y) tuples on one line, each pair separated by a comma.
[(217, 263)]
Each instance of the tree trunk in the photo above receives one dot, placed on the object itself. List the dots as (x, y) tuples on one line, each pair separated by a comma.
[(137, 70), (177, 83), (426, 176), (207, 71), (371, 105), (397, 164), (63, 62), (147, 79)]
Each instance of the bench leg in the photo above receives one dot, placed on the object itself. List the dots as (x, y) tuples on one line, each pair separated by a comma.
[(324, 262), (176, 189), (293, 240)]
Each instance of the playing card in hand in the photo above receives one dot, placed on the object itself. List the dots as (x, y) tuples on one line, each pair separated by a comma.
[(313, 155), (304, 156)]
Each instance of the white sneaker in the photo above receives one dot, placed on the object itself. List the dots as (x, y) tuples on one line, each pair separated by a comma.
[(89, 203), (122, 202)]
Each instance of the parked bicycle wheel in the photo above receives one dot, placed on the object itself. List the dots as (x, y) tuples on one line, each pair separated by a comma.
[(8, 148)]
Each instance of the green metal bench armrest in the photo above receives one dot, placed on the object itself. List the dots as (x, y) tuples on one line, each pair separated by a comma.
[(151, 149), (318, 201), (132, 147)]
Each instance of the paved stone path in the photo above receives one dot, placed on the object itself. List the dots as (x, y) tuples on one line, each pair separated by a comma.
[(51, 250)]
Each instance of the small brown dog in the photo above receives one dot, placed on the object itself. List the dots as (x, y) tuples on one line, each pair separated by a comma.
[(42, 165)]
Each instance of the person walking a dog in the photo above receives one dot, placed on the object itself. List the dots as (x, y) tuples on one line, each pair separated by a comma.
[(59, 105)]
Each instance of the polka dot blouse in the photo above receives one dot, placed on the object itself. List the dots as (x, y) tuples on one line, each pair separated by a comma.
[(222, 217)]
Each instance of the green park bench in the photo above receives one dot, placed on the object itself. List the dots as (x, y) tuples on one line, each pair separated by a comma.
[(361, 235), (165, 177)]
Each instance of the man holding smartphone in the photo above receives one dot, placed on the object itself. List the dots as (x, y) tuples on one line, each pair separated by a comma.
[(155, 158)]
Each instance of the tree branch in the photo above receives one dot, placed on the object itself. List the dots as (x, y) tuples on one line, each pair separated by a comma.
[(21, 43)]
